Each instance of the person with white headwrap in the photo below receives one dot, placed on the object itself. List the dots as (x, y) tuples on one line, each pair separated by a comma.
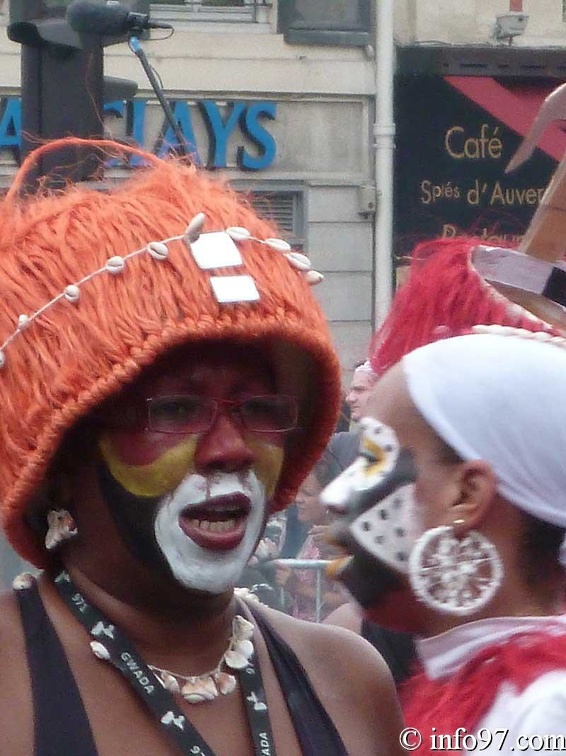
[(454, 517)]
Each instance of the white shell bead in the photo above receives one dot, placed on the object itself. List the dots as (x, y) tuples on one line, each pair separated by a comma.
[(2, 359), (23, 322), (299, 261), (115, 264), (278, 244), (242, 628), (22, 581), (170, 683), (72, 293), (158, 250), (313, 277), (195, 227), (192, 693), (238, 233), (99, 650), (226, 683), (234, 660), (244, 647), (199, 690)]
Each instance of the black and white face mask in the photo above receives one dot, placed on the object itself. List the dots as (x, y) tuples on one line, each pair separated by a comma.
[(376, 516)]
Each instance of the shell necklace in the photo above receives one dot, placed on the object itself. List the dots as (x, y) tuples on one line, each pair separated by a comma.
[(208, 686)]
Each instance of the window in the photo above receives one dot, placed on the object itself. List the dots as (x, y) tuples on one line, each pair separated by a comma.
[(330, 22), (207, 10), (285, 208), (202, 3)]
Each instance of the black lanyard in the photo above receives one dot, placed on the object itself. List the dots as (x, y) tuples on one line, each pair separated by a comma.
[(110, 644)]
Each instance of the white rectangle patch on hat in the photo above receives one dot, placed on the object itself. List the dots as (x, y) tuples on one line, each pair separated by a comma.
[(215, 250), (234, 289)]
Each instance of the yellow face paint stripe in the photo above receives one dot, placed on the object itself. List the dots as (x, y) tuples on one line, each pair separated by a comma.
[(268, 464), (155, 479)]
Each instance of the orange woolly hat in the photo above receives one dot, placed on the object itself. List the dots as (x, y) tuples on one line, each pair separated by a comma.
[(95, 286)]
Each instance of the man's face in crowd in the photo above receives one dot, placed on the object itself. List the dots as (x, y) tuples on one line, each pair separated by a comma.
[(360, 389), (188, 483)]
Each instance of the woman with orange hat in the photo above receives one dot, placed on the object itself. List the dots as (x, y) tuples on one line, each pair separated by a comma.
[(166, 382)]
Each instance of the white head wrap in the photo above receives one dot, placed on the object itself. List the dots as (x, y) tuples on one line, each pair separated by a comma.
[(501, 399)]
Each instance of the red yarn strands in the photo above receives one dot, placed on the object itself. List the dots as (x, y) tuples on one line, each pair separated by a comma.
[(444, 296), (466, 697)]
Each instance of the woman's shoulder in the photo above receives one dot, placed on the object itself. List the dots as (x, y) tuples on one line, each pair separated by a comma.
[(347, 616), (350, 678), (341, 648), (16, 711), (9, 618)]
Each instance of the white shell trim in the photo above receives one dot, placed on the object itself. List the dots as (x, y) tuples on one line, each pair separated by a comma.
[(115, 265), (195, 228), (313, 277), (159, 251), (238, 233), (72, 293), (521, 333), (279, 245), (23, 581), (209, 685), (299, 261)]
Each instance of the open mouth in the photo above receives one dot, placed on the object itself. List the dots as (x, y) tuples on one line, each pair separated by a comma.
[(219, 524)]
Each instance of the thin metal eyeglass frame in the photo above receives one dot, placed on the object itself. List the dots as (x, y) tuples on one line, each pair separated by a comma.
[(234, 413)]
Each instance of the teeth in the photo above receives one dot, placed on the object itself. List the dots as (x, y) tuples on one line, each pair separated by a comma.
[(223, 526)]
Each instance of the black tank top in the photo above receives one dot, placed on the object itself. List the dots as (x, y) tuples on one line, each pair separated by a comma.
[(61, 726)]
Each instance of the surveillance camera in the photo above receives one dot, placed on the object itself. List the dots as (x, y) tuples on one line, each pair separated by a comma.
[(509, 25)]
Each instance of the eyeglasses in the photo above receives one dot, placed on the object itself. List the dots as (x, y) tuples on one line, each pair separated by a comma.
[(187, 413), (191, 413)]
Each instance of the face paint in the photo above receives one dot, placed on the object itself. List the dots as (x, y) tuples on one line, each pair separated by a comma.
[(377, 520), (191, 514), (193, 506), (152, 503), (134, 517), (155, 478), (269, 461)]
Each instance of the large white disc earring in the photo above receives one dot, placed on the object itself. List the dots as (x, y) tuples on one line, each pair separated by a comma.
[(60, 527), (452, 576)]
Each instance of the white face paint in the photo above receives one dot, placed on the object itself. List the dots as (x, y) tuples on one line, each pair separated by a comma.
[(209, 570), (376, 499), (389, 529)]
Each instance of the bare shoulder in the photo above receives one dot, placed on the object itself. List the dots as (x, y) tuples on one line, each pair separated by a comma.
[(350, 677), (346, 615), (10, 624), (15, 693), (339, 648)]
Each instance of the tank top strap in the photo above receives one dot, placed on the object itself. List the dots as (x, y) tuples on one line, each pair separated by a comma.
[(315, 729), (61, 725)]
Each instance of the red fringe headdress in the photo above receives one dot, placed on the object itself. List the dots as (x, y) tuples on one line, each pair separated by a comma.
[(444, 296)]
